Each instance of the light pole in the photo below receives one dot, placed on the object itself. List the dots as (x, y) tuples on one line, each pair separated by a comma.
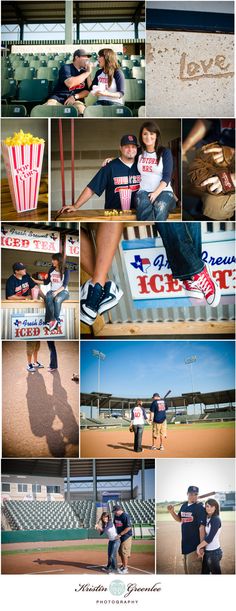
[(189, 361), (101, 357)]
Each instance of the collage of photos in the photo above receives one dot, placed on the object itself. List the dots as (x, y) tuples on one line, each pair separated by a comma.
[(118, 295)]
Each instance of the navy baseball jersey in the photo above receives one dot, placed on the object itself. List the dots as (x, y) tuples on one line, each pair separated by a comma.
[(120, 183), (121, 522), (19, 287), (61, 91), (159, 408), (192, 517)]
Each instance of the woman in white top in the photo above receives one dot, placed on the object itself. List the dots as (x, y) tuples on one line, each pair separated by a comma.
[(109, 82), (155, 199), (211, 543), (106, 526), (138, 417)]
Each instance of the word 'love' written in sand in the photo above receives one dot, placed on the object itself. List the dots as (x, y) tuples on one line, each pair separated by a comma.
[(214, 67)]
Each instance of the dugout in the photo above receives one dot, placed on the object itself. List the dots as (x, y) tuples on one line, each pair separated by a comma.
[(34, 244)]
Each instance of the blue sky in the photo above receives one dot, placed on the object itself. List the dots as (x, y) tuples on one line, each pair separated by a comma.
[(140, 368)]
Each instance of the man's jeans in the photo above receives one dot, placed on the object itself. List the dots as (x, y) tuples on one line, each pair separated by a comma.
[(53, 305), (183, 245), (211, 562), (113, 547), (138, 434), (53, 355), (158, 211)]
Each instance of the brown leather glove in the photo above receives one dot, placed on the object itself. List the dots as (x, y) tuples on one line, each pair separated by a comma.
[(204, 166)]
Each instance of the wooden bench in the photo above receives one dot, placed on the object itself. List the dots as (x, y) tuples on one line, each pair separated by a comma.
[(99, 215)]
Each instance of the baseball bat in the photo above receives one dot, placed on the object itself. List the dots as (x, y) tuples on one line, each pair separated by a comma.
[(201, 496), (166, 395)]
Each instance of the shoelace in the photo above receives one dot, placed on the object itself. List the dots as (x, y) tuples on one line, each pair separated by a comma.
[(205, 283), (94, 297)]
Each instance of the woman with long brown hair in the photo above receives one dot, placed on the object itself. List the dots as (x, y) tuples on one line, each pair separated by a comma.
[(155, 199), (211, 542), (108, 84), (106, 526), (58, 277)]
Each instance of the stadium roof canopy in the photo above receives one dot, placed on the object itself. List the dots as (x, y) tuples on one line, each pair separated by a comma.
[(83, 11), (78, 468), (210, 398)]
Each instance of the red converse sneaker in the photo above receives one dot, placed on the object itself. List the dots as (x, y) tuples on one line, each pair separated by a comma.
[(203, 285)]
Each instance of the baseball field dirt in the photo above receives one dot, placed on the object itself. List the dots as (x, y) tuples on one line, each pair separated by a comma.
[(67, 557), (168, 548), (40, 410), (184, 441)]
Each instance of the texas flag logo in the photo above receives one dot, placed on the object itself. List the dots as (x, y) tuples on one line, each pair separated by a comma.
[(142, 264)]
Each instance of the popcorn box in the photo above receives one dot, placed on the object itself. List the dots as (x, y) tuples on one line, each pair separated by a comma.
[(23, 164)]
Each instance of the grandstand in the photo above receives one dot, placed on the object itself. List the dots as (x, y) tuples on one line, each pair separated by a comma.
[(30, 70), (77, 499), (96, 409)]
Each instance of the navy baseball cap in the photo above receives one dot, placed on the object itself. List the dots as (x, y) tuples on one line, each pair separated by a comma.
[(81, 53), (193, 489), (155, 394), (116, 508), (128, 139), (18, 266)]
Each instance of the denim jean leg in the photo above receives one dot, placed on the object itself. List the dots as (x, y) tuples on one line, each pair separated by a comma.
[(53, 355), (163, 204), (58, 300), (113, 554), (213, 559), (144, 208), (49, 315), (183, 245)]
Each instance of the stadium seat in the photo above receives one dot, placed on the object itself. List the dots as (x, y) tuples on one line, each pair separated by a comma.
[(33, 91), (136, 57), (134, 90), (143, 63), (117, 110), (54, 111), (51, 74), (127, 72), (34, 63), (138, 72), (6, 72), (142, 111), (14, 110), (127, 63), (22, 73), (53, 64), (8, 87)]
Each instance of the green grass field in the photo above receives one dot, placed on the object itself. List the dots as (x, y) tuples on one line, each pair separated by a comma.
[(164, 516), (141, 548), (191, 426)]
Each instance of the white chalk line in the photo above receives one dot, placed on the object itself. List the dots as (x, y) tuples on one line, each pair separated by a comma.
[(41, 572), (141, 570)]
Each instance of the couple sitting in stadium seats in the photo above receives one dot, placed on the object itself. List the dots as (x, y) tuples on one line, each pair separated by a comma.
[(75, 83)]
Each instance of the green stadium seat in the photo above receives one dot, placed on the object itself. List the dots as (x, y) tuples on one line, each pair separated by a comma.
[(138, 72), (117, 110), (143, 63), (6, 72), (25, 64), (90, 100), (53, 64), (8, 87), (54, 111), (128, 63), (43, 63), (23, 73), (33, 91), (51, 74), (127, 72), (142, 111), (14, 110), (135, 57), (134, 90), (136, 62)]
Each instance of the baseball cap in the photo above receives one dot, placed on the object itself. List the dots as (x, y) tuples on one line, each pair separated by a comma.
[(128, 139), (193, 489), (155, 394), (116, 508), (81, 53), (17, 266)]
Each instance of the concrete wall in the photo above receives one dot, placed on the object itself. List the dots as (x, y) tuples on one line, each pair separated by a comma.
[(189, 74), (95, 139)]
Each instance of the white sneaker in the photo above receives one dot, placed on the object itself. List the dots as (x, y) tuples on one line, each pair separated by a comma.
[(31, 368), (111, 296), (122, 571)]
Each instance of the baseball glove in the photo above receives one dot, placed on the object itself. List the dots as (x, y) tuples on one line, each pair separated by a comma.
[(131, 428), (204, 166)]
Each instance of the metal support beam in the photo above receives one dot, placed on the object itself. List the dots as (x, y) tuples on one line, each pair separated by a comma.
[(21, 31), (68, 480), (77, 4), (132, 486), (94, 481), (143, 481), (68, 22)]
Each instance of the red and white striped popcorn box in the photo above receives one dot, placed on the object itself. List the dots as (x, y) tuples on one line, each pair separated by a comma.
[(23, 165)]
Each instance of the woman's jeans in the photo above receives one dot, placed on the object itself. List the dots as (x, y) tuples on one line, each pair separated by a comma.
[(138, 434), (53, 355), (211, 562), (53, 305), (183, 245), (113, 547), (159, 210), (104, 103)]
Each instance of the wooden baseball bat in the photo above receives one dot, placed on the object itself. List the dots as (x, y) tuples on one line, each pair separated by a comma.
[(168, 393), (201, 496)]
